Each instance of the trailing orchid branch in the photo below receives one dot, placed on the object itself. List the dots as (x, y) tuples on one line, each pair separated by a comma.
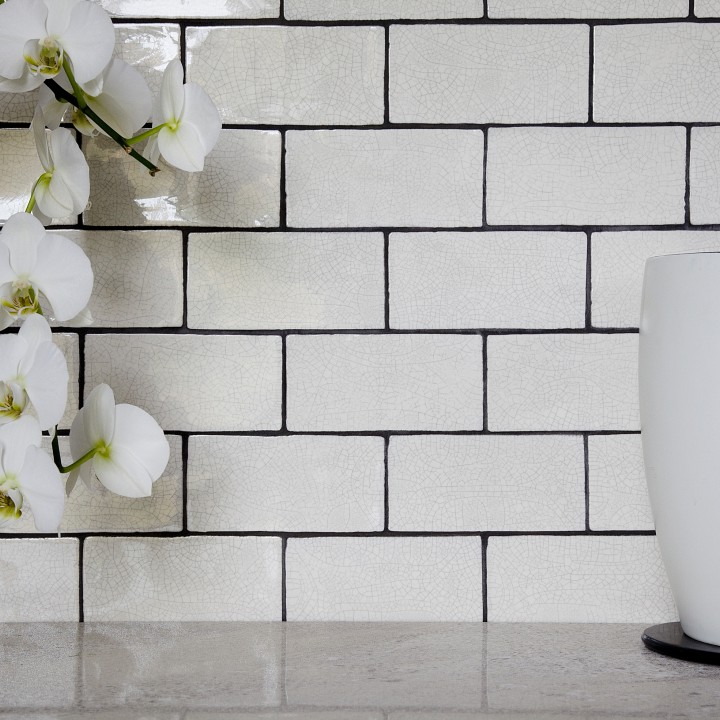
[(54, 47)]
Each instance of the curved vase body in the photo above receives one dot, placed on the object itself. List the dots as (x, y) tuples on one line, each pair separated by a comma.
[(680, 419)]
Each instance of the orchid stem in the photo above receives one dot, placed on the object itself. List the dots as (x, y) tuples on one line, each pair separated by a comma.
[(77, 90), (62, 94), (89, 455), (56, 450), (145, 135)]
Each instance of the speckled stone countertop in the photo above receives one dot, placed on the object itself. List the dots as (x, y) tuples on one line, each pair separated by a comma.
[(362, 671)]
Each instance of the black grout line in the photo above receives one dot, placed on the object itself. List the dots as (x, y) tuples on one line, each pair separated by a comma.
[(386, 262), (386, 491), (486, 13), (283, 381), (386, 77), (486, 135), (392, 432), (591, 73), (81, 368), (485, 539), (688, 137), (185, 270), (586, 462), (281, 10), (588, 283), (284, 579), (691, 9), (81, 573), (283, 182), (185, 445), (485, 383)]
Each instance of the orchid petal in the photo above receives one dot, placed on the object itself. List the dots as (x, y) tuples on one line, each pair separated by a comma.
[(34, 330), (53, 198), (47, 384), (58, 17), (15, 439), (123, 474), (21, 235), (41, 143), (70, 167), (200, 111), (64, 275), (12, 351), (182, 147), (139, 433), (42, 490), (99, 416), (89, 40), (125, 101), (7, 274), (20, 21), (52, 110), (172, 96)]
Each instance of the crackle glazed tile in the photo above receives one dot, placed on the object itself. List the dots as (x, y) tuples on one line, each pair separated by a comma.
[(138, 276), (381, 9), (286, 280), (388, 579), (240, 185), (586, 175), (229, 9), (497, 280), (657, 73), (707, 8), (291, 75), (705, 175), (39, 580), (618, 490), (577, 579), (492, 73), (292, 484), (192, 382), (148, 48), (563, 382), (70, 346), (20, 169), (389, 382), (618, 263), (184, 578), (370, 178), (95, 509), (588, 8), (458, 483)]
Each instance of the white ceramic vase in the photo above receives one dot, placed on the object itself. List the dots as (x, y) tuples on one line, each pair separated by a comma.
[(680, 420)]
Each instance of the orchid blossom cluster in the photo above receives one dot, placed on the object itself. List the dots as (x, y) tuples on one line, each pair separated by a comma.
[(65, 48)]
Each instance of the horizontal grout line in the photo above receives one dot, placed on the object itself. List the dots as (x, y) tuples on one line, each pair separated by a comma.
[(391, 433), (379, 331)]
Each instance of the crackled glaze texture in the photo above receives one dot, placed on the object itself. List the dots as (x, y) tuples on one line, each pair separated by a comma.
[(391, 331)]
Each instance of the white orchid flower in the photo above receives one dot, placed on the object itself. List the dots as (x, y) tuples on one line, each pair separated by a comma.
[(64, 188), (127, 449), (35, 262), (37, 37), (120, 97), (188, 120), (33, 375), (28, 477)]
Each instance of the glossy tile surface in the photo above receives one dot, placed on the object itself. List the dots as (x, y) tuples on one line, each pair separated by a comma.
[(291, 75), (589, 8), (240, 9), (497, 74), (306, 483), (286, 280), (381, 9), (168, 375), (238, 187), (704, 177), (487, 280), (183, 578), (346, 671), (69, 344)]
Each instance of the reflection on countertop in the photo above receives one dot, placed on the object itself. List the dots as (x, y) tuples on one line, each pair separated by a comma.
[(348, 671)]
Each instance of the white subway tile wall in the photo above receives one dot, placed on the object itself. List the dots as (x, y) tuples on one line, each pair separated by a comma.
[(391, 330)]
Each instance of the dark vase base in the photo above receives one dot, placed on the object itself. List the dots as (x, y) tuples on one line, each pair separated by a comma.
[(669, 639)]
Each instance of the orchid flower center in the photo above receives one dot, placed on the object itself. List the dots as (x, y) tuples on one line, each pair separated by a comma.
[(23, 301), (103, 449), (11, 406), (9, 509), (45, 57)]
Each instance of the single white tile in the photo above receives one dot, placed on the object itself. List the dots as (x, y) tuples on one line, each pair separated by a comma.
[(182, 578), (586, 175), (385, 578), (360, 178), (138, 276), (148, 48), (381, 9), (489, 73), (69, 344), (192, 382), (587, 8), (240, 9), (563, 382), (493, 279), (707, 8), (95, 509), (291, 484), (618, 490), (21, 169), (39, 580), (577, 579), (618, 264), (291, 75), (398, 382), (240, 185), (463, 483), (286, 280), (663, 72), (705, 175)]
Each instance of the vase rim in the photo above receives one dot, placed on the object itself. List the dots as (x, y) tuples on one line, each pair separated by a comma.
[(684, 254)]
